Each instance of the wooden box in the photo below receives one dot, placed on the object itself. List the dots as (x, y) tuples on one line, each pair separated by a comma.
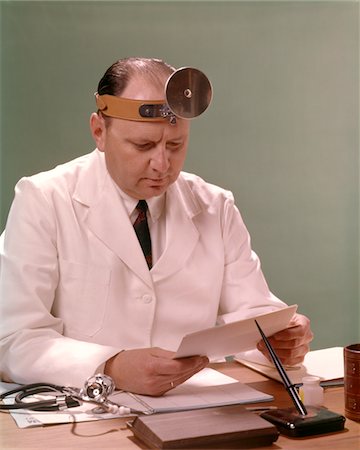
[(210, 427)]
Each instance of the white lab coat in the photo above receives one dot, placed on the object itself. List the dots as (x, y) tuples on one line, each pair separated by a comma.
[(74, 285)]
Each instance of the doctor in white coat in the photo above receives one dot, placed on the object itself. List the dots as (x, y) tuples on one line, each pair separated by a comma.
[(76, 293)]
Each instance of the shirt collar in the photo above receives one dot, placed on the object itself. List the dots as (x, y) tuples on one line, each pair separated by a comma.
[(156, 204)]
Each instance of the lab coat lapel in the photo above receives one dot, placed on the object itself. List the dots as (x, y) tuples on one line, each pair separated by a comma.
[(108, 219), (181, 232)]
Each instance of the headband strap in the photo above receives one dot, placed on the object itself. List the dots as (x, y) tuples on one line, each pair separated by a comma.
[(129, 109)]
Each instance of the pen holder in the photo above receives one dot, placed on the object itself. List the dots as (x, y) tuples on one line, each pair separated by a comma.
[(352, 381), (318, 421)]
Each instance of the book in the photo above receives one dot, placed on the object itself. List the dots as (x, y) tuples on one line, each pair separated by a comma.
[(327, 364), (207, 388)]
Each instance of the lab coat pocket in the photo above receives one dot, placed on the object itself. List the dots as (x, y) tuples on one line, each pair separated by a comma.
[(82, 297)]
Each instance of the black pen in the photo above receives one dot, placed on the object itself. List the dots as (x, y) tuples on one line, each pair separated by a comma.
[(287, 383)]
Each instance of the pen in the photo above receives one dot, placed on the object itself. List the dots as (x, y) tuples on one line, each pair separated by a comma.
[(287, 383)]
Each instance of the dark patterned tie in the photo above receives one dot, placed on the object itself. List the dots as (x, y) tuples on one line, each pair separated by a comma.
[(142, 231)]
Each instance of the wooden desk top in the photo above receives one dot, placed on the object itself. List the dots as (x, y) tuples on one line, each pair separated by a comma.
[(114, 434)]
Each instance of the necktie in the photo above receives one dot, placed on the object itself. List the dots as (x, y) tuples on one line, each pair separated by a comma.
[(142, 231)]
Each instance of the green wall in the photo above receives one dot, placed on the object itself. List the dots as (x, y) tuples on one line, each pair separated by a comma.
[(282, 132)]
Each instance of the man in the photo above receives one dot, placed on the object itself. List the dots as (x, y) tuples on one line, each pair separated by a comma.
[(77, 293)]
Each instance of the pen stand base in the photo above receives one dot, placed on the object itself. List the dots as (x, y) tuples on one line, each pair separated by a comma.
[(317, 421)]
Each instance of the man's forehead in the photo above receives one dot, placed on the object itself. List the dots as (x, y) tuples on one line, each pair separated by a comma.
[(153, 130)]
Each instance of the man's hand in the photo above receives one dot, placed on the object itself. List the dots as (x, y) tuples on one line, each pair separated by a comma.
[(291, 344), (151, 371)]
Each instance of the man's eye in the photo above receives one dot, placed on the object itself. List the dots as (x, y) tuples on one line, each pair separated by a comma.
[(174, 145), (144, 146)]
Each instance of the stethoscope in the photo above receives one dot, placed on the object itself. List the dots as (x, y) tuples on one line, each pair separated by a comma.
[(95, 391)]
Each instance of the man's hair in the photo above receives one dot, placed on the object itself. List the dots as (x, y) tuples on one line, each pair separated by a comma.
[(118, 75)]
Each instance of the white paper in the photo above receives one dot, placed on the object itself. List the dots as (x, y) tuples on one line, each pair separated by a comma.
[(207, 388), (327, 364), (27, 419), (234, 337)]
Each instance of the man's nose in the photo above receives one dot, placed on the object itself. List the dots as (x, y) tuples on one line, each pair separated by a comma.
[(160, 159)]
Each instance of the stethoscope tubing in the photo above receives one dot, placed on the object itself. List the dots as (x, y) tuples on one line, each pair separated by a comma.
[(41, 405)]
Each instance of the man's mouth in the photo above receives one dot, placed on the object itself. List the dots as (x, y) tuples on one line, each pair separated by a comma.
[(157, 181)]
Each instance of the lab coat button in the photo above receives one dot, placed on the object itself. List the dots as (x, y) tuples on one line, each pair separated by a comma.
[(147, 298)]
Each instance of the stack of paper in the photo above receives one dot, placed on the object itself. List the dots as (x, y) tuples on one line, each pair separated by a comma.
[(327, 364), (207, 388)]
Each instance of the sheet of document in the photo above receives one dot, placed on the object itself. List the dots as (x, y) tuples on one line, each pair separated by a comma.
[(205, 389), (234, 337), (327, 364)]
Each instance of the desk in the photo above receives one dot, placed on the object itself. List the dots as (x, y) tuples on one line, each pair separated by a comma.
[(114, 434)]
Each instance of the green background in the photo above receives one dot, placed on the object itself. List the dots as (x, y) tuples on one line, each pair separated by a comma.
[(282, 131)]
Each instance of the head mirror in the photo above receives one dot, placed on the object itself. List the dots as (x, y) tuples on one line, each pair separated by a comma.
[(188, 92)]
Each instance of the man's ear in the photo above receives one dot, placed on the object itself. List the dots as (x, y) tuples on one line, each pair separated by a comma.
[(98, 130)]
